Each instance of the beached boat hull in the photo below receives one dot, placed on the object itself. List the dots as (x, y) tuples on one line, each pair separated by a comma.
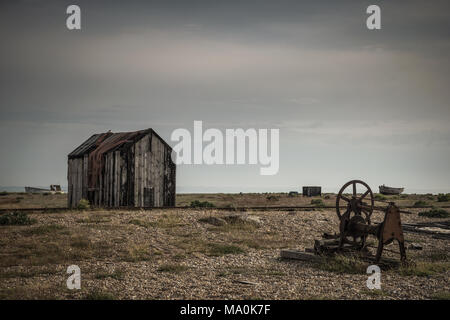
[(390, 190)]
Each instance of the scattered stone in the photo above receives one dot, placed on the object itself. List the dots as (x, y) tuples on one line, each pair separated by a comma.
[(243, 218), (215, 221)]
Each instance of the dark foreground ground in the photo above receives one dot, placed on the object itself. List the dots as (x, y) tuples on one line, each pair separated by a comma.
[(181, 254)]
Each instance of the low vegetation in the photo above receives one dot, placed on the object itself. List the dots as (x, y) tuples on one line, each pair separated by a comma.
[(117, 274), (424, 268), (379, 196), (99, 295), (84, 205), (137, 252), (340, 263), (435, 213), (202, 204), (216, 249), (441, 295), (16, 218), (420, 204), (318, 203), (172, 268), (443, 197)]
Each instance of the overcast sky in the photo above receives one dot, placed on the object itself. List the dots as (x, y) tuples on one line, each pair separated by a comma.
[(349, 102)]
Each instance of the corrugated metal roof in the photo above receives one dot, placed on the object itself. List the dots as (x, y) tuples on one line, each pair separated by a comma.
[(96, 140), (85, 147)]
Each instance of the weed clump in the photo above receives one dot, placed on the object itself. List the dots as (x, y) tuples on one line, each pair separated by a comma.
[(435, 213), (16, 218), (379, 196), (318, 203), (344, 264), (420, 204), (172, 268), (202, 204), (272, 198), (84, 205), (216, 249), (443, 197)]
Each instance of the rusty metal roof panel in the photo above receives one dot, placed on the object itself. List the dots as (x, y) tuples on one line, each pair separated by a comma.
[(85, 147), (109, 139)]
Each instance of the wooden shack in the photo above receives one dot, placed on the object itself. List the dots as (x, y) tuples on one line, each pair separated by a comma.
[(312, 191), (132, 169)]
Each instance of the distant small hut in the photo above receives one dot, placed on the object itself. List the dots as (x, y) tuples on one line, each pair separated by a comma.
[(312, 191), (133, 169)]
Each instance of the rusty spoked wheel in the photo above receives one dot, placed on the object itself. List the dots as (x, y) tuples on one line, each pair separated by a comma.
[(358, 203)]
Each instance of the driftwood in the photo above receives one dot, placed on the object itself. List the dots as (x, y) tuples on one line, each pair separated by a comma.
[(438, 230), (298, 255), (247, 282)]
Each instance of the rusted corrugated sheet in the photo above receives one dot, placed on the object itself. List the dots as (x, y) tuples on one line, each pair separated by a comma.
[(88, 145), (111, 142)]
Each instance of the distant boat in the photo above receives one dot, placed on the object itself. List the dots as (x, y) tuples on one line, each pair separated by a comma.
[(36, 190), (390, 190), (54, 188)]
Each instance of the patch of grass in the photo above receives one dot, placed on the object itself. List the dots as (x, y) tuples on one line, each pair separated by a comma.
[(420, 204), (343, 264), (443, 197), (3, 193), (379, 196), (318, 297), (167, 221), (26, 274), (274, 273), (45, 229), (216, 249), (42, 292), (202, 204), (140, 223), (236, 227), (441, 295), (95, 218), (83, 205), (318, 203), (99, 295), (172, 268), (435, 213), (272, 198), (80, 243), (16, 219), (424, 269), (375, 293), (117, 274), (437, 255), (137, 252)]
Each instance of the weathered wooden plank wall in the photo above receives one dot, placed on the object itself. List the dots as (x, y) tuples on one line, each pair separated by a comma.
[(129, 176)]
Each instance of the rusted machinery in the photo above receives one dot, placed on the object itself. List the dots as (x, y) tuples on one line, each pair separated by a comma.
[(355, 220)]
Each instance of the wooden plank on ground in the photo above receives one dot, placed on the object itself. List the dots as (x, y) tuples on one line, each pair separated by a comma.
[(298, 255)]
